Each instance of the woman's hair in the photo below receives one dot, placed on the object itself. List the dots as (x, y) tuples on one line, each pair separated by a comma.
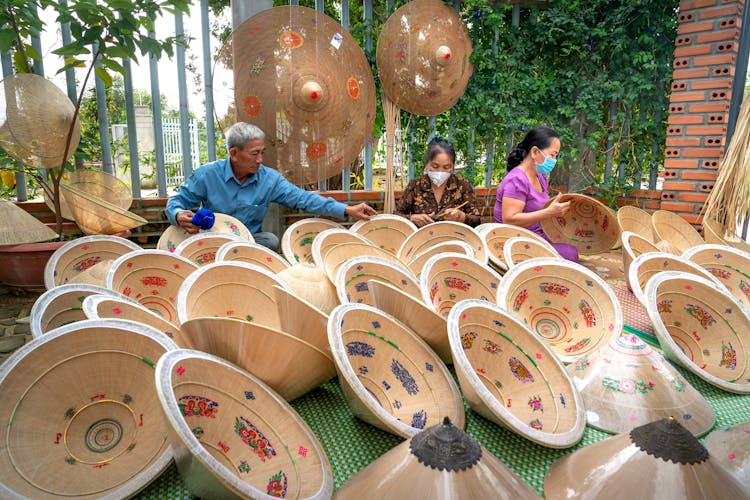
[(541, 137), (239, 134), (437, 146)]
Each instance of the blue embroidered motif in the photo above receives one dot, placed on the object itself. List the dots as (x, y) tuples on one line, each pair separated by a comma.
[(401, 373), (249, 395), (361, 287), (419, 419), (429, 367), (360, 349)]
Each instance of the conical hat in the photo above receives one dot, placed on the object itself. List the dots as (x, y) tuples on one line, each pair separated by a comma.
[(62, 305), (657, 460), (80, 399), (289, 365), (302, 319), (569, 306), (633, 245), (727, 265), (98, 184), (450, 278), (535, 398), (80, 254), (731, 449), (337, 255), (223, 223), (297, 240), (94, 275), (440, 462), (19, 227), (201, 248), (385, 231), (637, 221), (437, 232), (589, 225), (252, 253), (495, 235), (676, 230), (519, 249), (311, 283), (390, 377), (451, 246), (701, 327), (714, 233), (95, 215), (626, 384), (152, 278), (353, 275), (264, 447), (108, 307), (328, 238)]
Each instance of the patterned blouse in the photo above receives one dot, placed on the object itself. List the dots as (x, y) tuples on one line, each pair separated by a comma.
[(418, 198)]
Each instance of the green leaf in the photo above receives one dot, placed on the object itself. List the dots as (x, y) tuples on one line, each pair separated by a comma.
[(103, 75), (113, 65)]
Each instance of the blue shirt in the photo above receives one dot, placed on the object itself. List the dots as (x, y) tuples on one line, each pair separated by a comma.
[(214, 186)]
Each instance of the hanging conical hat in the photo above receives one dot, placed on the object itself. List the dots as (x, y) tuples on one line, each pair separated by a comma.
[(511, 377), (727, 265), (731, 448), (385, 231), (677, 231), (589, 225), (19, 227), (390, 377), (252, 253), (440, 462), (306, 83), (353, 275), (35, 119), (297, 240), (633, 245), (98, 184), (95, 215), (416, 264), (235, 437), (82, 417), (519, 249), (438, 232), (108, 307), (701, 327), (714, 233), (495, 235), (223, 224), (626, 384), (201, 248), (311, 283), (637, 221), (423, 57)]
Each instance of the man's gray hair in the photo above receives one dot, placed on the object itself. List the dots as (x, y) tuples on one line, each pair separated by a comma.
[(239, 134)]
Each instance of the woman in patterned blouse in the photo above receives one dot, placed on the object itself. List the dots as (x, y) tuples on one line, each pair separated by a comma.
[(439, 194)]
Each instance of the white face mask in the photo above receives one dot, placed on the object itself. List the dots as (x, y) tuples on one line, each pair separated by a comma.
[(438, 178)]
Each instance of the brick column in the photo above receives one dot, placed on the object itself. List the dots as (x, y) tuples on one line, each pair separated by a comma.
[(705, 56)]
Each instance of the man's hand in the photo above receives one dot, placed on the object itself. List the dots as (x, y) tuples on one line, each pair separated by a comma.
[(184, 218), (363, 211), (420, 220)]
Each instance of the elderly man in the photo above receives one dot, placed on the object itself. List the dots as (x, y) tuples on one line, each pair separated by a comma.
[(241, 186)]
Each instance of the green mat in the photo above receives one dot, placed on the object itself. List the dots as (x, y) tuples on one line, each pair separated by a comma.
[(351, 444)]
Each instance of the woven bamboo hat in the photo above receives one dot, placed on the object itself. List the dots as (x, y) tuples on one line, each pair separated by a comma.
[(727, 265), (296, 242), (96, 183), (80, 254), (385, 231), (223, 223), (440, 462), (62, 305), (329, 238), (81, 416), (589, 225), (108, 307), (252, 253), (569, 306), (353, 275), (17, 226), (637, 221), (390, 377), (413, 313), (289, 365), (677, 231), (302, 319), (94, 215), (714, 233), (337, 255), (231, 290), (701, 327), (311, 283), (201, 248), (450, 278), (495, 235), (234, 437), (633, 245), (152, 278), (519, 249), (95, 275), (438, 232), (416, 264), (511, 377), (731, 449), (645, 266), (626, 384), (657, 460)]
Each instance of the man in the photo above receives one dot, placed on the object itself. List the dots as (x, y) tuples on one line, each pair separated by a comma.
[(241, 186)]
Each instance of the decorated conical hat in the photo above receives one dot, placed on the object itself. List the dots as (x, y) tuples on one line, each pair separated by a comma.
[(289, 365), (94, 215), (385, 231), (78, 400), (152, 278), (234, 437), (450, 278), (637, 221), (677, 231), (108, 307), (626, 384), (390, 377), (657, 460), (440, 462), (252, 253), (335, 256), (729, 266), (519, 249), (201, 248), (714, 233), (80, 254), (98, 184), (297, 240), (633, 245), (416, 264), (223, 223), (510, 376), (496, 235), (438, 232), (95, 275), (328, 238), (731, 448), (569, 306), (311, 283), (19, 227), (62, 305), (701, 327), (353, 275), (300, 318), (589, 225)]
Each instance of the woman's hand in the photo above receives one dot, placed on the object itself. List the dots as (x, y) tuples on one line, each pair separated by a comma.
[(422, 219), (455, 215), (184, 219), (557, 207)]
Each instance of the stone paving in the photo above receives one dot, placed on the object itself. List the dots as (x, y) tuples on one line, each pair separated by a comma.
[(15, 307)]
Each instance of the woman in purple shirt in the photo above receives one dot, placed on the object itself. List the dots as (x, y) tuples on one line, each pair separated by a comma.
[(522, 194)]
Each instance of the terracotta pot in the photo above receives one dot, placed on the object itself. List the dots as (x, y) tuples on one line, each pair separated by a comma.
[(23, 265)]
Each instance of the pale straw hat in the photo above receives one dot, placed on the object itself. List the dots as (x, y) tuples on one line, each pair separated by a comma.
[(296, 242), (353, 275), (252, 253), (496, 235), (731, 448), (94, 215), (637, 221), (727, 265), (439, 232), (253, 444), (633, 245), (589, 225), (390, 377), (302, 319), (223, 224), (80, 399), (201, 248), (97, 183), (677, 231), (519, 249), (511, 377), (107, 307), (335, 256), (451, 246), (17, 226), (714, 233), (311, 283), (385, 231)]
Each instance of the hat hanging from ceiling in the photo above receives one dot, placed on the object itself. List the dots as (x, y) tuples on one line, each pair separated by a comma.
[(731, 448), (97, 183), (223, 223), (303, 79), (728, 265), (589, 225), (17, 226)]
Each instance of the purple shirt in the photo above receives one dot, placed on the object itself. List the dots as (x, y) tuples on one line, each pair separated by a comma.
[(516, 185)]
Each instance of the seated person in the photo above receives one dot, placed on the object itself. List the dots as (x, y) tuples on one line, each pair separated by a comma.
[(438, 194), (523, 191), (241, 186)]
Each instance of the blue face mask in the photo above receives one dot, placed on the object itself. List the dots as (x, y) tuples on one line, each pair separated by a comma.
[(547, 166)]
